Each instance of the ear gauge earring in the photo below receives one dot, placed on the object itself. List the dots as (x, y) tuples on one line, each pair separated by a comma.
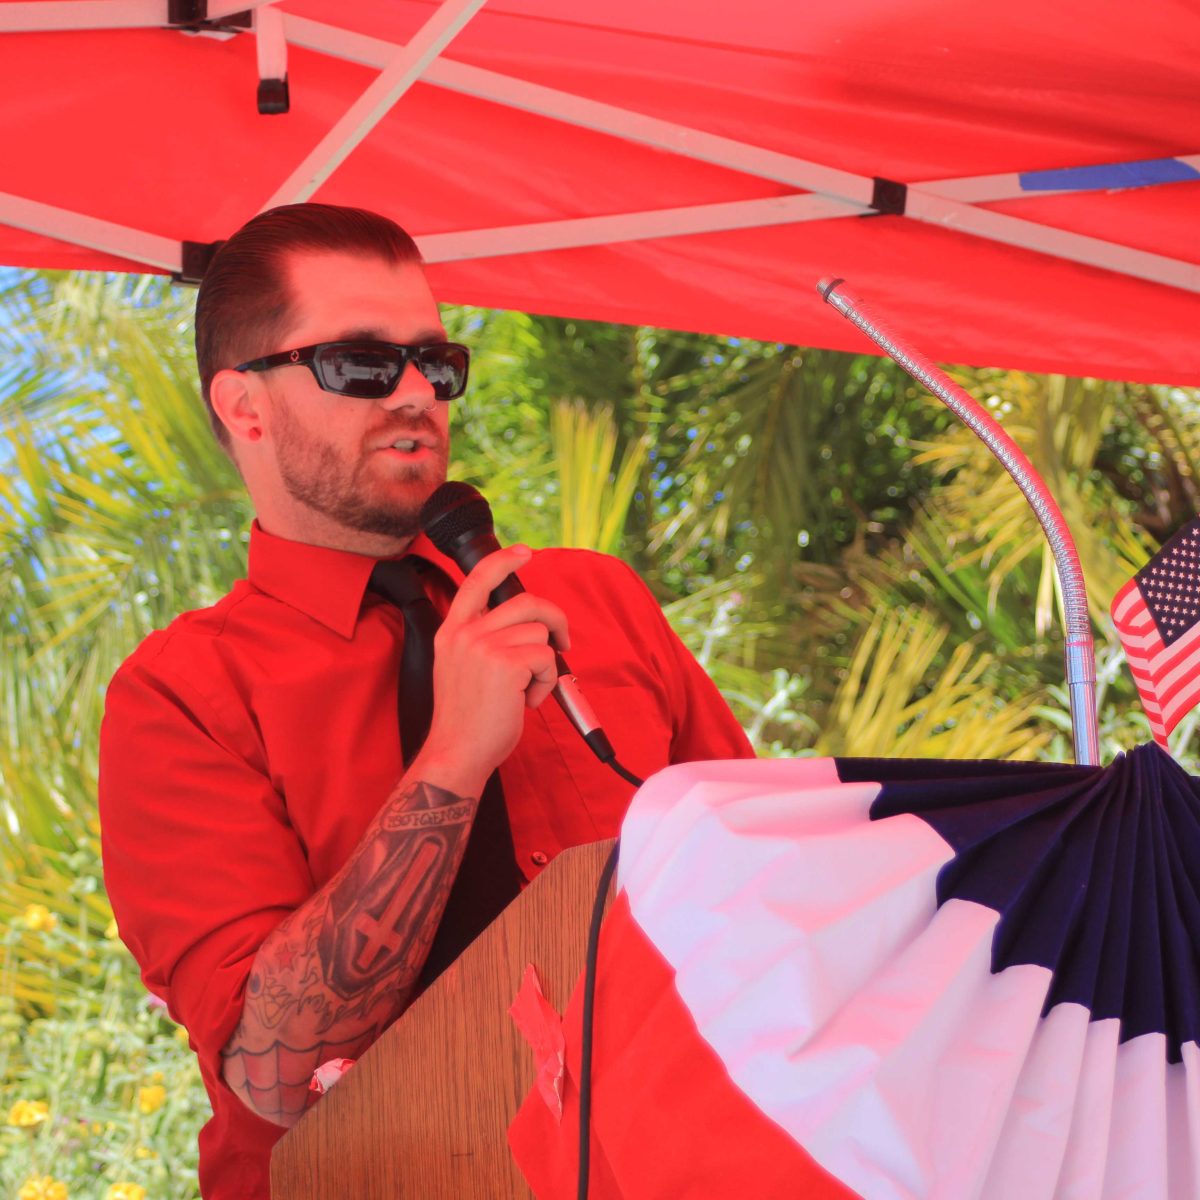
[(253, 434)]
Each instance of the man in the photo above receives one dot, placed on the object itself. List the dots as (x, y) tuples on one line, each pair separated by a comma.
[(276, 870)]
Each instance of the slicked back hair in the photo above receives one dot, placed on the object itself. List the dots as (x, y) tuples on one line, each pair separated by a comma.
[(244, 305)]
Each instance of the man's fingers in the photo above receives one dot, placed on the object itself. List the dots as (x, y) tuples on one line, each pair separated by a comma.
[(487, 574), (528, 633), (524, 610), (470, 604), (544, 669)]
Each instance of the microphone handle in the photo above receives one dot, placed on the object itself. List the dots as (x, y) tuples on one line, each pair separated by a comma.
[(466, 553)]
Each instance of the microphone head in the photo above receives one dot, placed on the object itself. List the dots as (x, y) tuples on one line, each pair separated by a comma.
[(455, 510)]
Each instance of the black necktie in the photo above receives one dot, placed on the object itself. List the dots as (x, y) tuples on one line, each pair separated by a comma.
[(488, 878), (400, 582)]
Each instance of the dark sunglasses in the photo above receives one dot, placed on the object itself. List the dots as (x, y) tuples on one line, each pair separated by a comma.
[(371, 370)]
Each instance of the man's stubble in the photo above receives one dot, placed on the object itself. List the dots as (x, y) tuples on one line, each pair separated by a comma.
[(325, 479)]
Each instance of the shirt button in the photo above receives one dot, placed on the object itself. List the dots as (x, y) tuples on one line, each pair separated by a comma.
[(539, 858)]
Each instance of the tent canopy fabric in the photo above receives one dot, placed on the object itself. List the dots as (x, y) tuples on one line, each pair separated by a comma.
[(1013, 185)]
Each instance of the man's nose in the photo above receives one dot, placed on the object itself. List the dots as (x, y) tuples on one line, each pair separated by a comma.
[(413, 391)]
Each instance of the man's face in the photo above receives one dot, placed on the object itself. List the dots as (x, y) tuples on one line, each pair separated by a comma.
[(336, 456)]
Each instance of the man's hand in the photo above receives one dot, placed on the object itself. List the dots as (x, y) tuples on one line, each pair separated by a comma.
[(489, 665)]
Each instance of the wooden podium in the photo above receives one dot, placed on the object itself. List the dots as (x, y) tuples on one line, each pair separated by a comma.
[(425, 1112)]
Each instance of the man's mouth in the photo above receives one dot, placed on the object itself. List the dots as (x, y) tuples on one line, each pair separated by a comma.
[(411, 443)]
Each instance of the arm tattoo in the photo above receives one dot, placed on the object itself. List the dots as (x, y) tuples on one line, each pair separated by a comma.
[(375, 922), (340, 968)]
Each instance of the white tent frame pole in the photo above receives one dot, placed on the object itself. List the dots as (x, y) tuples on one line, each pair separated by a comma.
[(700, 218), (922, 204), (1074, 247), (592, 114), (165, 253), (376, 52), (834, 193), (406, 65), (118, 240), (632, 227), (62, 16)]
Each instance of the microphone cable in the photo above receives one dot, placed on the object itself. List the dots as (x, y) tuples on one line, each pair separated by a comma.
[(589, 1005)]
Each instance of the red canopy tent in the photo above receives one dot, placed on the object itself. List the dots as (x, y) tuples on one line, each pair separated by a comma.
[(1018, 184)]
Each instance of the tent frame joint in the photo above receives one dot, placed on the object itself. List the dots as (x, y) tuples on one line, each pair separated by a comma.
[(888, 198), (191, 16), (273, 97), (195, 258)]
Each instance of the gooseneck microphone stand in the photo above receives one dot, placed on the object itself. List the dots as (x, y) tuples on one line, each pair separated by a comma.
[(1079, 651)]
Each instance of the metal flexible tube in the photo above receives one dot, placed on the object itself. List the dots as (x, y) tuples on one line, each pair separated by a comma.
[(1078, 650)]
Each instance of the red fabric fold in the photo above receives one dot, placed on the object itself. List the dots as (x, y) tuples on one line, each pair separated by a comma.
[(667, 1121)]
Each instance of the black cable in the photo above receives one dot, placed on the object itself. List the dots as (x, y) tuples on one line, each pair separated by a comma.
[(628, 776), (589, 999)]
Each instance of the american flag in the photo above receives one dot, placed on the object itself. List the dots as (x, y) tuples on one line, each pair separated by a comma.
[(1157, 615)]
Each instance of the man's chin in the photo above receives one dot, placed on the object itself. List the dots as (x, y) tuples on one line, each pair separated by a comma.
[(397, 515), (388, 522)]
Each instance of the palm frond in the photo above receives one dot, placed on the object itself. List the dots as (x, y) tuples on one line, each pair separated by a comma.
[(888, 705), (595, 491)]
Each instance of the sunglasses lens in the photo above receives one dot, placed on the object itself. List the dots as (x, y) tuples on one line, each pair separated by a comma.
[(364, 371), (445, 366), (371, 372)]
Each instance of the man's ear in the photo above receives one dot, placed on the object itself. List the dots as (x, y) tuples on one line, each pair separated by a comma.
[(239, 400)]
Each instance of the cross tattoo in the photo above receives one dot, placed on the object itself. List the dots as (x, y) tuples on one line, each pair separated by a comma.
[(388, 934)]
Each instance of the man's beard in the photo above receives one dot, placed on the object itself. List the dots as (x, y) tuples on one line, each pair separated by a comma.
[(316, 474)]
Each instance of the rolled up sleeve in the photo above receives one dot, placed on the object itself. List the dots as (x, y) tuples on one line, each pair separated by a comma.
[(200, 860)]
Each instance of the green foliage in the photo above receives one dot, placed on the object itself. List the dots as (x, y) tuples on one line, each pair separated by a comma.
[(888, 705), (79, 1034), (852, 568), (595, 492)]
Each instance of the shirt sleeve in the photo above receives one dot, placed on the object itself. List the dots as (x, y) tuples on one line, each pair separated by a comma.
[(200, 861)]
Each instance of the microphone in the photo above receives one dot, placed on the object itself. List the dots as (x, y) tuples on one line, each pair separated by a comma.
[(458, 521)]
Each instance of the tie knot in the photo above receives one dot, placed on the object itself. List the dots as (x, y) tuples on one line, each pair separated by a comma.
[(399, 581)]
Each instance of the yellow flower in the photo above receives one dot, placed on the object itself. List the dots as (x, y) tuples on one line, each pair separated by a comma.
[(27, 1113), (97, 1127), (151, 1099), (125, 1191), (181, 1035), (111, 931), (43, 1187), (144, 1152), (157, 1077), (38, 917)]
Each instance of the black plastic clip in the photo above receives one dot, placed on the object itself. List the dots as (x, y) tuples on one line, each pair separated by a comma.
[(273, 97), (195, 259), (888, 198), (192, 16)]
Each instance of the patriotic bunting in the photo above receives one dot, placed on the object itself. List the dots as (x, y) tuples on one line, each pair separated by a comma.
[(849, 978)]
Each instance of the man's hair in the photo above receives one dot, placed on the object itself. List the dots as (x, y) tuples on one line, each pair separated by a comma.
[(244, 306)]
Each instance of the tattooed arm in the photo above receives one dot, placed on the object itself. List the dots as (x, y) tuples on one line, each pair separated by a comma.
[(340, 969), (337, 971)]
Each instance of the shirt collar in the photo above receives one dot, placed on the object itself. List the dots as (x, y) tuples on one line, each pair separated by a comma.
[(326, 584)]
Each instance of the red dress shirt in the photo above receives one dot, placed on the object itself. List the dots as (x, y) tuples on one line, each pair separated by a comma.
[(246, 748)]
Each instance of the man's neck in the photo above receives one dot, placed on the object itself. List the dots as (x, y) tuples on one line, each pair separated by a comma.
[(331, 536)]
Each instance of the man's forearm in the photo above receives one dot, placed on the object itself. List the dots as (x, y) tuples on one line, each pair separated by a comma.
[(341, 968)]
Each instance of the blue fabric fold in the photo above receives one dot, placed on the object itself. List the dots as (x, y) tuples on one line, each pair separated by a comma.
[(1095, 872)]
